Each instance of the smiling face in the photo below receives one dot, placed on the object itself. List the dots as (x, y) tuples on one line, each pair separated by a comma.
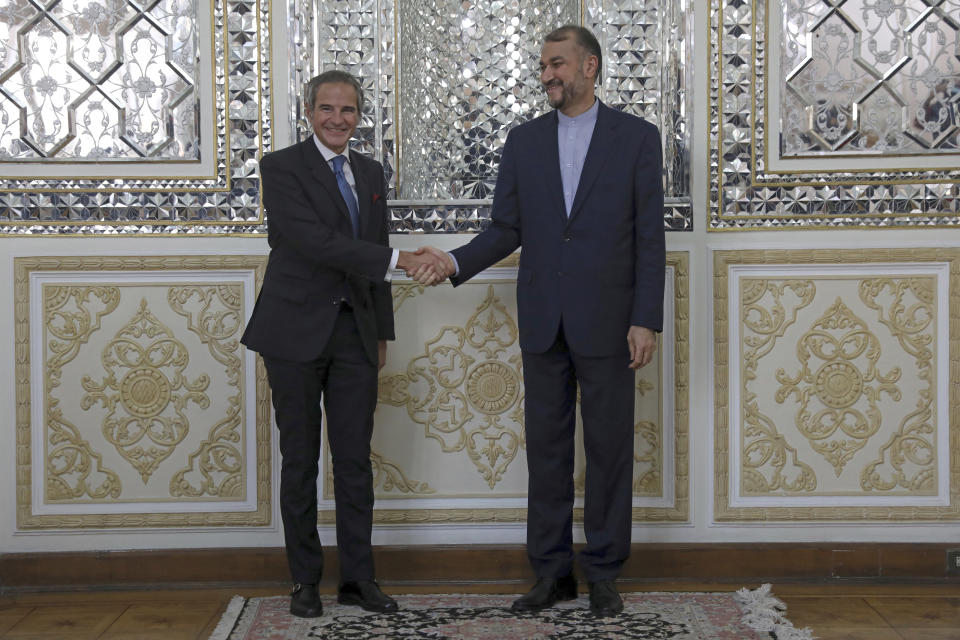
[(334, 115), (567, 74)]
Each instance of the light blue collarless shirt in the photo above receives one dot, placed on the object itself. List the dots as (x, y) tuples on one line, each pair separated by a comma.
[(573, 138)]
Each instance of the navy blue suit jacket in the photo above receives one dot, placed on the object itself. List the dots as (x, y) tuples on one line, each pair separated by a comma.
[(602, 269)]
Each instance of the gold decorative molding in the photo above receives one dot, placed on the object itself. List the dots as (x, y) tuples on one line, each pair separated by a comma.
[(71, 462), (458, 373), (131, 387), (908, 458), (145, 391), (426, 379), (219, 461), (389, 477), (215, 314), (679, 264), (840, 373), (71, 316), (648, 451), (403, 292)]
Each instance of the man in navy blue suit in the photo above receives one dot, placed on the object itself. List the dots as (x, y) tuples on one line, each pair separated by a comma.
[(581, 189)]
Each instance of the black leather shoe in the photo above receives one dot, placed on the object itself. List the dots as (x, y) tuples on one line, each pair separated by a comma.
[(305, 601), (605, 602), (546, 593), (366, 594)]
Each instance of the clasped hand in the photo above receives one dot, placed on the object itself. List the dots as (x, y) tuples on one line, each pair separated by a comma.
[(427, 265)]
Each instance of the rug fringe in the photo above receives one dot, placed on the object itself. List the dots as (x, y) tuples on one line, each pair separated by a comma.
[(229, 619), (765, 613)]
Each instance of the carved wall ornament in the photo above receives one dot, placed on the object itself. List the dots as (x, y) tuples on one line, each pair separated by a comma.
[(215, 314), (168, 419), (71, 316), (462, 392), (647, 462), (145, 391), (769, 462), (458, 374), (840, 376), (647, 457), (908, 458), (838, 358), (387, 477), (73, 468)]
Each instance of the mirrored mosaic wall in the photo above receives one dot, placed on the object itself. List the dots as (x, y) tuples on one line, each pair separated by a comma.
[(853, 79), (447, 81), (466, 77), (870, 77), (88, 81)]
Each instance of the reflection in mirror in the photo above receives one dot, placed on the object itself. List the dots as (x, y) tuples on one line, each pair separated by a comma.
[(446, 80)]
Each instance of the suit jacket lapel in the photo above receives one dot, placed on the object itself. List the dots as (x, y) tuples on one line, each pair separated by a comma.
[(551, 174), (364, 194), (324, 175), (602, 141)]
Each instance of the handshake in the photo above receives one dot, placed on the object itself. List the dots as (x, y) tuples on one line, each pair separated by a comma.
[(427, 265)]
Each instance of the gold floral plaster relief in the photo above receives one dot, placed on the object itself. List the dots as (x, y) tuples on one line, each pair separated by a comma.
[(465, 391), (854, 387), (138, 384)]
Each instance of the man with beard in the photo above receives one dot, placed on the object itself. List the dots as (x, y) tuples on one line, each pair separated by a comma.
[(581, 189)]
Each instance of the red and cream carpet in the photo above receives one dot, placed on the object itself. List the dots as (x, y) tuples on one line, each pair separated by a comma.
[(744, 615)]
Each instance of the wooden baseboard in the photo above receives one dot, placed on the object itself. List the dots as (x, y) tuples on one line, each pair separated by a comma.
[(480, 564)]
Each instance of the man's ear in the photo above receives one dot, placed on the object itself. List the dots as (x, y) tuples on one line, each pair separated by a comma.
[(590, 67)]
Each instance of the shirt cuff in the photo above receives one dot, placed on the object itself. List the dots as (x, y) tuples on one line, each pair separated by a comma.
[(388, 277), (456, 265)]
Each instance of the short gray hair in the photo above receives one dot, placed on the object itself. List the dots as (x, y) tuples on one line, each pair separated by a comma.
[(333, 76)]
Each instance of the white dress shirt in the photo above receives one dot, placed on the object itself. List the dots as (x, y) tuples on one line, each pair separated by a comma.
[(328, 155)]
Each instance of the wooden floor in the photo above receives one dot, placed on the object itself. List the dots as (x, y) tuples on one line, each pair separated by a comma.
[(834, 612)]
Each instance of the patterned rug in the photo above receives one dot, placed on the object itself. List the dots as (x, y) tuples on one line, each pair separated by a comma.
[(744, 615)]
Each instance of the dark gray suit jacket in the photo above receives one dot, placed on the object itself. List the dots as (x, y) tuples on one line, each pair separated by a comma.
[(314, 258)]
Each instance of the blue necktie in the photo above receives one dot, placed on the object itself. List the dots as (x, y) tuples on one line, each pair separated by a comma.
[(347, 193)]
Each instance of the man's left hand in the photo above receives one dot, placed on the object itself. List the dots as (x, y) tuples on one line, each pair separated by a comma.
[(381, 354), (642, 343)]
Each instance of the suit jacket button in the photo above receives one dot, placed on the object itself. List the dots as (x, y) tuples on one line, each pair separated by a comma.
[(566, 238)]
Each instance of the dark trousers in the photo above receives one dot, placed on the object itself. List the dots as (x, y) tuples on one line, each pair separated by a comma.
[(607, 400), (347, 381)]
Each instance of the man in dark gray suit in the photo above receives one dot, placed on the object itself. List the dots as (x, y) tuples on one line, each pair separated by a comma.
[(581, 189), (321, 323)]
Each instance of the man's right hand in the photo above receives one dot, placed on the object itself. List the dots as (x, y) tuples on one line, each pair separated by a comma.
[(426, 265)]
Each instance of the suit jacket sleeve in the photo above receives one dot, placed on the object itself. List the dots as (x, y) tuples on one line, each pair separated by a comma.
[(382, 291), (294, 217), (650, 242), (502, 237)]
